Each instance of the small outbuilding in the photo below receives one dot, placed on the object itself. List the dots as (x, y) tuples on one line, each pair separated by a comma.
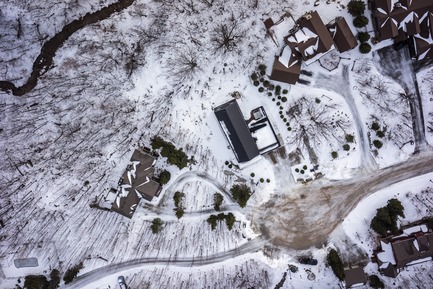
[(355, 277)]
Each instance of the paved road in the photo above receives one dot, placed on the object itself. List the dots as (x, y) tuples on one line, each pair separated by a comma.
[(340, 86), (399, 65), (296, 222), (95, 275)]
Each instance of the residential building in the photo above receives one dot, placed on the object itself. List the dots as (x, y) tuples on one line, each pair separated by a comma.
[(403, 20), (136, 183), (307, 41), (414, 246), (355, 277), (235, 129), (342, 35), (248, 138)]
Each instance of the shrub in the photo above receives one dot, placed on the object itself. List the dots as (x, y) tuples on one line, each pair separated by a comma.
[(55, 279), (364, 48), (266, 83), (297, 170), (278, 103), (335, 262), (318, 100), (261, 79), (273, 99), (305, 167), (256, 83), (227, 163), (254, 76), (287, 123), (334, 155), (241, 193), (174, 156), (217, 201), (284, 99), (377, 143), (282, 116), (71, 273), (375, 282), (281, 107), (35, 282), (285, 91), (302, 171), (375, 126), (261, 89), (230, 221), (262, 72), (349, 138), (380, 133), (289, 128), (386, 217), (262, 67), (279, 97), (212, 220), (363, 36), (177, 197), (346, 147), (360, 21), (156, 225), (285, 119), (268, 180), (179, 212), (164, 177), (281, 112), (252, 175), (271, 87), (262, 180), (277, 89), (269, 94), (356, 7)]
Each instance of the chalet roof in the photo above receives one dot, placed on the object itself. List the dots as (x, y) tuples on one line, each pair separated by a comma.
[(354, 276), (136, 180), (126, 202), (409, 249), (310, 37), (286, 67), (342, 34), (416, 243), (236, 130)]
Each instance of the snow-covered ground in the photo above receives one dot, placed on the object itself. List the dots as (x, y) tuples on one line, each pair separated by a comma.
[(157, 69)]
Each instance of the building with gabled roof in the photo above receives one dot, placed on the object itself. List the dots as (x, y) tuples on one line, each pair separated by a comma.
[(235, 129), (401, 20), (310, 37), (342, 35), (355, 277), (136, 183), (307, 41), (287, 67), (414, 246)]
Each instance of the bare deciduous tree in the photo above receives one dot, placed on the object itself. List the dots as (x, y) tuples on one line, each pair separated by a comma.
[(227, 36)]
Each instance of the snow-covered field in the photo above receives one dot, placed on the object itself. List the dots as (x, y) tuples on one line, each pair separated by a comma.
[(159, 68)]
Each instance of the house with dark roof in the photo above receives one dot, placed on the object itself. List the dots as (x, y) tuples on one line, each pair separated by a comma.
[(307, 41), (342, 35), (403, 20), (414, 246), (136, 183), (287, 67), (355, 277), (235, 129), (310, 37)]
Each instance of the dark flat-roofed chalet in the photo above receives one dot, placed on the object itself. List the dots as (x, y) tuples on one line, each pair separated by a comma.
[(233, 124)]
